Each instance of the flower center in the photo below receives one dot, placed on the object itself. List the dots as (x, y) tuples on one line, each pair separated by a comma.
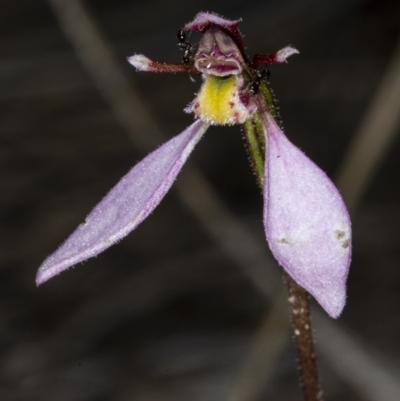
[(219, 101)]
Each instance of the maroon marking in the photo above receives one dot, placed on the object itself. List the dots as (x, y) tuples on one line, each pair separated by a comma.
[(157, 67), (218, 54), (265, 59), (206, 21)]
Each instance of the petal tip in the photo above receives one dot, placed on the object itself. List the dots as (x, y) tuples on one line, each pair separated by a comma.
[(41, 277), (140, 62), (49, 269), (333, 300), (285, 53)]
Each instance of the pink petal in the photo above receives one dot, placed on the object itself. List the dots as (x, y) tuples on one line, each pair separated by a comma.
[(306, 222), (140, 62), (283, 54), (203, 20), (134, 197)]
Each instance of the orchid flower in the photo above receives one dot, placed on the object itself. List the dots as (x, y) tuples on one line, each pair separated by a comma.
[(307, 225)]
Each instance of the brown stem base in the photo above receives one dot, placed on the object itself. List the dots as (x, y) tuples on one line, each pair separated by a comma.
[(301, 322)]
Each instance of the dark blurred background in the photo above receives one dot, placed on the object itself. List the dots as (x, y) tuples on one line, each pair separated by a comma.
[(190, 306)]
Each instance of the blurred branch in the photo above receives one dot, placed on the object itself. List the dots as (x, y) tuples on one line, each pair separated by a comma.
[(346, 353), (97, 57), (269, 342), (376, 133), (236, 239)]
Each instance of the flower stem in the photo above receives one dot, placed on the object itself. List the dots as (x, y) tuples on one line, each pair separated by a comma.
[(298, 297), (301, 323)]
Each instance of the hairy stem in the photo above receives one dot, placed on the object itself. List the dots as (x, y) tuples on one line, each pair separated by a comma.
[(301, 323), (298, 297)]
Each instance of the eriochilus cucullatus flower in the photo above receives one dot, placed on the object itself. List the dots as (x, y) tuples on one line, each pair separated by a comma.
[(306, 223)]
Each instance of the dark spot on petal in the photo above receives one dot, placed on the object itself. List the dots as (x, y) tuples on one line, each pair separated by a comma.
[(283, 241), (339, 234), (341, 237), (346, 244)]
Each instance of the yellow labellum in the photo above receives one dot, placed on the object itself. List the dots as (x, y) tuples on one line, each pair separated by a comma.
[(218, 101)]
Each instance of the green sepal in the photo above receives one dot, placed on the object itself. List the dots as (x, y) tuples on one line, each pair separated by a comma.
[(255, 141), (269, 97), (254, 133)]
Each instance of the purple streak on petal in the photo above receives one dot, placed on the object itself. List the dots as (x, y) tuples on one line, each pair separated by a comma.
[(306, 222), (134, 197)]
